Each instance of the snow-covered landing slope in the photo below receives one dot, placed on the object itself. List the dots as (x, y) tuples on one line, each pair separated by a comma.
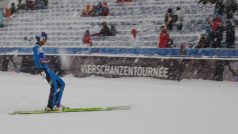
[(159, 106)]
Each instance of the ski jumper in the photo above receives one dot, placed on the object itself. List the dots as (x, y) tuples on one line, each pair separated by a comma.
[(57, 84)]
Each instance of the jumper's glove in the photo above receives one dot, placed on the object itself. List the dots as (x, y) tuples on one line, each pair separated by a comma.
[(43, 75)]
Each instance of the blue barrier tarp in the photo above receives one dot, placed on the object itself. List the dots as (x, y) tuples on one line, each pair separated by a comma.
[(212, 52), (118, 51), (191, 52)]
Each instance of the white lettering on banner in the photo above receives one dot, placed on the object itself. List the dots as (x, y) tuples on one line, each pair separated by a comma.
[(116, 70), (126, 71), (83, 68), (93, 69), (130, 71), (121, 70), (159, 72), (150, 72), (103, 69), (107, 70), (98, 70), (90, 69), (111, 70)]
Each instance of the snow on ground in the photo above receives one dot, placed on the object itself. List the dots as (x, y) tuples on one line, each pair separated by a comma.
[(159, 106)]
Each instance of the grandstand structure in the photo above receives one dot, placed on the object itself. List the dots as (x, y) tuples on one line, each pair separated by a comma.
[(65, 26)]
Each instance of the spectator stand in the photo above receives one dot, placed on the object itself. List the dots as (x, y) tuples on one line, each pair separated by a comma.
[(63, 22)]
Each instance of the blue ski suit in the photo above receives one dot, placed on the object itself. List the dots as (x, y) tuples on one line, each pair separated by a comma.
[(57, 84)]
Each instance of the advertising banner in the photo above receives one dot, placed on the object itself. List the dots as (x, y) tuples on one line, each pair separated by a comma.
[(112, 67)]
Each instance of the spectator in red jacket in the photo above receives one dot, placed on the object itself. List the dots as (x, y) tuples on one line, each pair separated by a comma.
[(215, 23), (134, 33), (216, 32), (87, 39), (163, 38)]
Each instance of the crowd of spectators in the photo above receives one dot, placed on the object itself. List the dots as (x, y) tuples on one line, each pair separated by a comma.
[(217, 25), (30, 5), (226, 6), (220, 23), (101, 9), (26, 5)]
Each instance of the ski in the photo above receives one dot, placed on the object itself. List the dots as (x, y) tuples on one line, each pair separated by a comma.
[(65, 110)]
